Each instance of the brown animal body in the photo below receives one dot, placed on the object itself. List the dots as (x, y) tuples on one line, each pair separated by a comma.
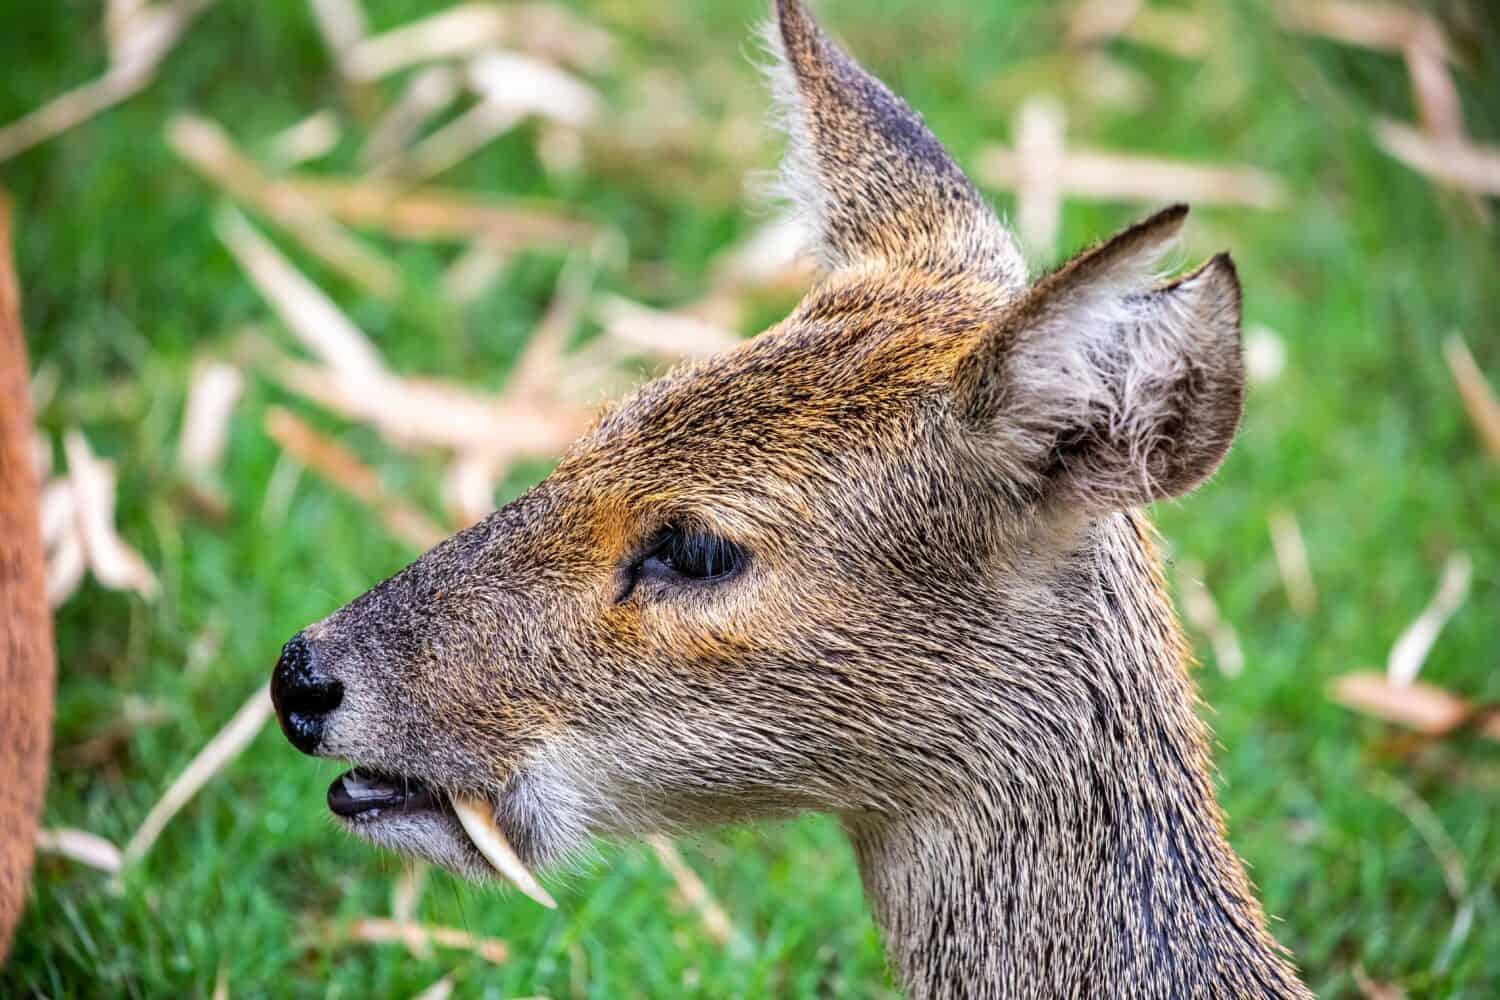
[(25, 621), (883, 560)]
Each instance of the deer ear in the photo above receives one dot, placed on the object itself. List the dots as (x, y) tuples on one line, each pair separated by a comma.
[(1106, 390), (874, 181)]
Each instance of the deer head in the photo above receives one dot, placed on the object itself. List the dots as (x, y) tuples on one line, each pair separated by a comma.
[(854, 565)]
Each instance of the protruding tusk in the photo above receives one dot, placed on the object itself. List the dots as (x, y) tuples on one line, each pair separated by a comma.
[(478, 821)]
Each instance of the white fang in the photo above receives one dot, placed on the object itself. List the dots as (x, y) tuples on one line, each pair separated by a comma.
[(479, 823)]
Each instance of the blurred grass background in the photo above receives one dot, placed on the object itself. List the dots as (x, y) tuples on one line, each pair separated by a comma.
[(1362, 274)]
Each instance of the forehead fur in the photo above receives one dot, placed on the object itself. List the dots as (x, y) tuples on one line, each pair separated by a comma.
[(847, 368)]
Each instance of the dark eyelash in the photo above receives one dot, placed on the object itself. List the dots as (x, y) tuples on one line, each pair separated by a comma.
[(701, 557), (694, 555)]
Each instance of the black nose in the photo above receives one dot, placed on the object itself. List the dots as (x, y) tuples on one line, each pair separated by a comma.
[(303, 694)]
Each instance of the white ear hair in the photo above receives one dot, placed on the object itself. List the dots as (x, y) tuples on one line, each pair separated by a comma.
[(796, 182)]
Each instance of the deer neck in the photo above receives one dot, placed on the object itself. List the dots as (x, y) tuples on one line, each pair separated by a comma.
[(1101, 862)]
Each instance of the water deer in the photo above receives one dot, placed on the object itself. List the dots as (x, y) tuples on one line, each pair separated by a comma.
[(26, 666), (884, 560)]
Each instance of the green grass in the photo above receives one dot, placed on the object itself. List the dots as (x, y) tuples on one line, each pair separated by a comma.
[(1362, 274)]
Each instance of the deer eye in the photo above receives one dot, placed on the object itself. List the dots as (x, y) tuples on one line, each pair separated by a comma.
[(694, 555)]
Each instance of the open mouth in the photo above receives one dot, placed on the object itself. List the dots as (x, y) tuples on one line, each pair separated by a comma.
[(380, 806)]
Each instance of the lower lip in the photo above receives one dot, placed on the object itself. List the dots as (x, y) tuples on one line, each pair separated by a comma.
[(353, 796)]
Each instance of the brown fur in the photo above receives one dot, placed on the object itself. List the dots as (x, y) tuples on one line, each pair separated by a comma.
[(25, 622), (950, 629)]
